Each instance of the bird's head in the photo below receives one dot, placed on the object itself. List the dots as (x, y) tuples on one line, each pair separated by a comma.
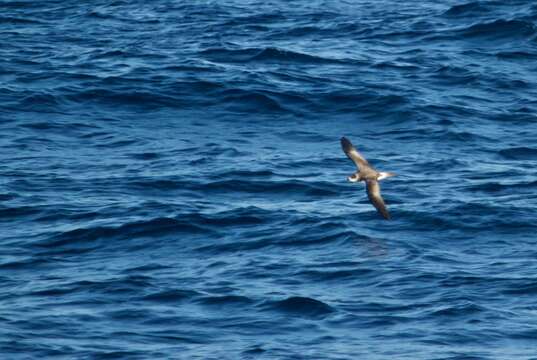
[(354, 177)]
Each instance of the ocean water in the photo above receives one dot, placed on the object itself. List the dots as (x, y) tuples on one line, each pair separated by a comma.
[(172, 184)]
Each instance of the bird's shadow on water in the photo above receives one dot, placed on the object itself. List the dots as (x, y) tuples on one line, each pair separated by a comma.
[(360, 232), (373, 247)]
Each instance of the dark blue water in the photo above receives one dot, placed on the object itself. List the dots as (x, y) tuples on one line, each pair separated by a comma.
[(172, 184)]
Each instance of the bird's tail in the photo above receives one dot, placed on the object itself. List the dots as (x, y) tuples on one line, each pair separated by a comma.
[(384, 175)]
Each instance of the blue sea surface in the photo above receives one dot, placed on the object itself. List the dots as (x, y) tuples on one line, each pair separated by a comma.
[(172, 184)]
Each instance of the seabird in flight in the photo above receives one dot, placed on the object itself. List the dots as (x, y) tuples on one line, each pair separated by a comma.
[(367, 173)]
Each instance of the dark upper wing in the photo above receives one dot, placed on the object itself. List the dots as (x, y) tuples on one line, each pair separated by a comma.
[(373, 192), (353, 154)]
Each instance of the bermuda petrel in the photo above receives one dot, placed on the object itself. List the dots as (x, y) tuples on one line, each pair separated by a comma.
[(367, 173)]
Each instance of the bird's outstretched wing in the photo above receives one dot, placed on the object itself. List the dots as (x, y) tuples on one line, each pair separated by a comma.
[(373, 192), (353, 154)]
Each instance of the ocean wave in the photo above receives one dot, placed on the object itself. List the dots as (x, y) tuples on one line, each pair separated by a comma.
[(146, 156), (335, 275), (44, 102), (10, 213), (152, 227), (251, 101), (128, 98), (517, 55), (225, 300), (494, 187), (525, 287), (473, 8), (456, 75), (26, 263), (18, 20), (7, 196), (459, 310), (255, 182), (173, 296), (519, 153), (300, 306), (263, 54), (240, 185), (499, 29), (322, 235)]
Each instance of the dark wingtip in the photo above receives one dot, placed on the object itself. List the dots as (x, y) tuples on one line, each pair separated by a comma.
[(346, 145), (384, 216)]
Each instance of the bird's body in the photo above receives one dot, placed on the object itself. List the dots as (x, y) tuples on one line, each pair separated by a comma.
[(369, 175)]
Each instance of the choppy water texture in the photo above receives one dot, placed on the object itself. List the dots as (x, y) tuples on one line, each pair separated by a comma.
[(172, 184)]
